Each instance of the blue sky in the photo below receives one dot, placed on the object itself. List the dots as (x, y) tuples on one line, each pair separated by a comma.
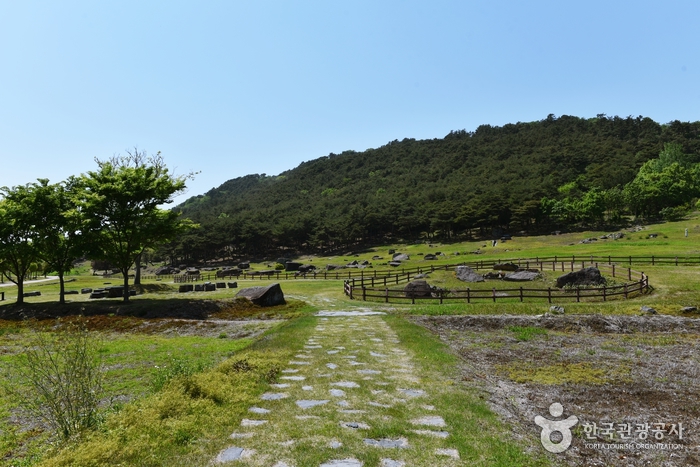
[(230, 88)]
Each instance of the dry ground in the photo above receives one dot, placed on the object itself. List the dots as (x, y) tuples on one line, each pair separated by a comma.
[(623, 369)]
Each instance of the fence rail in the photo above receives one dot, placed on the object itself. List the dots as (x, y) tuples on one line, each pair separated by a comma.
[(366, 288)]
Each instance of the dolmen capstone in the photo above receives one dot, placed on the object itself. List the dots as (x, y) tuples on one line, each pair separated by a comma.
[(417, 289), (271, 295), (505, 267), (521, 276), (467, 274), (400, 257), (586, 276)]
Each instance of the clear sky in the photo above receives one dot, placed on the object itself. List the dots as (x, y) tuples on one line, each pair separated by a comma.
[(230, 88)]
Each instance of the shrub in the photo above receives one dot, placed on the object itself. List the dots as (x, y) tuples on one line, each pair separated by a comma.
[(176, 367), (58, 378)]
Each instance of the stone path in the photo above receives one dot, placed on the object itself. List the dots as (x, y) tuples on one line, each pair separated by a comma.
[(352, 393)]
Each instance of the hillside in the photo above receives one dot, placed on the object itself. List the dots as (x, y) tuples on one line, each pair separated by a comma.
[(467, 183)]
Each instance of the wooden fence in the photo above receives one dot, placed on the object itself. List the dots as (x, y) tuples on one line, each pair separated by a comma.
[(565, 262), (367, 288)]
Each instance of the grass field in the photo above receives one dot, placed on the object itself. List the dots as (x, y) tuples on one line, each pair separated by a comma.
[(152, 426)]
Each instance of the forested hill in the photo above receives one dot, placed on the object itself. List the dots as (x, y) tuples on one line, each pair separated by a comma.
[(492, 178)]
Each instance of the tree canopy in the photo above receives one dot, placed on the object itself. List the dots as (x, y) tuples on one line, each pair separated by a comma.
[(478, 183)]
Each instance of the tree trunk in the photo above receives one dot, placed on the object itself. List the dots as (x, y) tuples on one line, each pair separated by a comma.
[(137, 275), (20, 290), (125, 273), (62, 291)]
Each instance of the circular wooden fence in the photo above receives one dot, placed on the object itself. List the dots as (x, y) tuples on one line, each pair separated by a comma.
[(378, 288)]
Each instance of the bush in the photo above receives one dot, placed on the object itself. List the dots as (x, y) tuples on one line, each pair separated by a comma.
[(175, 368), (59, 378), (674, 214)]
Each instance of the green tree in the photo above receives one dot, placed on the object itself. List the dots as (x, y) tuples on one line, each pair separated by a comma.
[(57, 225), (121, 201), (18, 250)]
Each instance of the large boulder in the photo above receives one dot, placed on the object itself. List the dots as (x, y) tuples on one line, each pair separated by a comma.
[(586, 276), (167, 270), (417, 289), (521, 276), (467, 274), (263, 296), (400, 257), (505, 267), (292, 266), (430, 257)]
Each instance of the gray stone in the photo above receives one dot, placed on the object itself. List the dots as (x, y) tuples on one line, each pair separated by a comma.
[(436, 434), (241, 435), (271, 295), (647, 309), (521, 276), (392, 463), (556, 309), (369, 372), (453, 453), (346, 384), (355, 425), (388, 443), (274, 396), (293, 378), (337, 392), (185, 288), (349, 462), (413, 392), (258, 410), (431, 420), (689, 309), (467, 274), (505, 267), (417, 289), (400, 257), (229, 454), (306, 404), (585, 276), (249, 422), (332, 366)]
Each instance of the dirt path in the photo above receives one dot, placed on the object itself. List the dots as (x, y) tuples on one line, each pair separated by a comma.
[(351, 396)]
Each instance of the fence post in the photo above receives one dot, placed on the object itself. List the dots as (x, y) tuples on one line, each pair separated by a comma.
[(521, 294), (441, 292), (351, 287), (609, 259), (549, 294), (604, 290), (613, 270), (676, 260), (652, 260), (629, 274), (372, 282), (578, 294), (625, 291), (386, 295), (493, 291), (364, 293), (468, 295)]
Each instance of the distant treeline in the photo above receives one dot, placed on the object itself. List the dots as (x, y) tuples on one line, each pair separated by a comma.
[(558, 173)]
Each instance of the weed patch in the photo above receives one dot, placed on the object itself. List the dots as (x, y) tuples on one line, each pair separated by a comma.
[(526, 333)]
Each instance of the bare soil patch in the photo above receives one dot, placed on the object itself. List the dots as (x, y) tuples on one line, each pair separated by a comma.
[(603, 369)]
